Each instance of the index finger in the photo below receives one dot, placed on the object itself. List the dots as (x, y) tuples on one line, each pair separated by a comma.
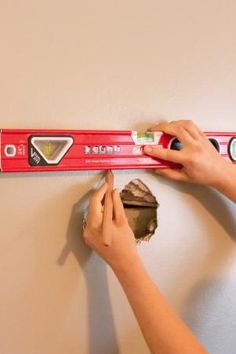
[(174, 130), (95, 203)]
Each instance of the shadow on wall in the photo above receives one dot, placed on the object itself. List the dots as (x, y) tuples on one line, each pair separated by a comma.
[(210, 311), (216, 205), (102, 335), (210, 306)]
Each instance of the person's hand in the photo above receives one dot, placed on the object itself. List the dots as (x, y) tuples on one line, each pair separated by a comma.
[(121, 252), (200, 161)]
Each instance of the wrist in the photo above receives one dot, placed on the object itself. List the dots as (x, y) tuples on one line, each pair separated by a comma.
[(128, 265), (225, 183), (220, 174)]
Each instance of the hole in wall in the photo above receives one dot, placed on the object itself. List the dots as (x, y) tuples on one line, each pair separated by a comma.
[(141, 209)]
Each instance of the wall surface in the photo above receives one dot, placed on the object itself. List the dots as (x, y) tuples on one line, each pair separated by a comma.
[(113, 65)]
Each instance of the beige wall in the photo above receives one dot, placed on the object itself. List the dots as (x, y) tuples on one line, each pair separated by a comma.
[(113, 65)]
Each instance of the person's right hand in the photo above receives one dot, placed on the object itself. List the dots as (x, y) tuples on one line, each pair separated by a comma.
[(200, 161), (106, 214)]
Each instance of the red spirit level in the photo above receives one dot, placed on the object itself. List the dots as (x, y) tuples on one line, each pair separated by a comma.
[(64, 150)]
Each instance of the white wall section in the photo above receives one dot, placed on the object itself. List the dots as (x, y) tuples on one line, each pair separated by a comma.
[(113, 65)]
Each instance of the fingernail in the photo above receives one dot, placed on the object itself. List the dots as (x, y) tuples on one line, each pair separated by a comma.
[(148, 149)]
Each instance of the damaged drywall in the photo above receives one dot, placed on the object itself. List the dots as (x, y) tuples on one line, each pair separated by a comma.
[(140, 208)]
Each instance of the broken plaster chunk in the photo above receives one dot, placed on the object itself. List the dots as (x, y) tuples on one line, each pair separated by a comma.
[(140, 208)]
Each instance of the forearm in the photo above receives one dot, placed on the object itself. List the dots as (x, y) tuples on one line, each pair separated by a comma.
[(163, 330), (226, 183)]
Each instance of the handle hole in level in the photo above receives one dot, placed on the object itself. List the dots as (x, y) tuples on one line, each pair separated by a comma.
[(10, 150), (215, 144)]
